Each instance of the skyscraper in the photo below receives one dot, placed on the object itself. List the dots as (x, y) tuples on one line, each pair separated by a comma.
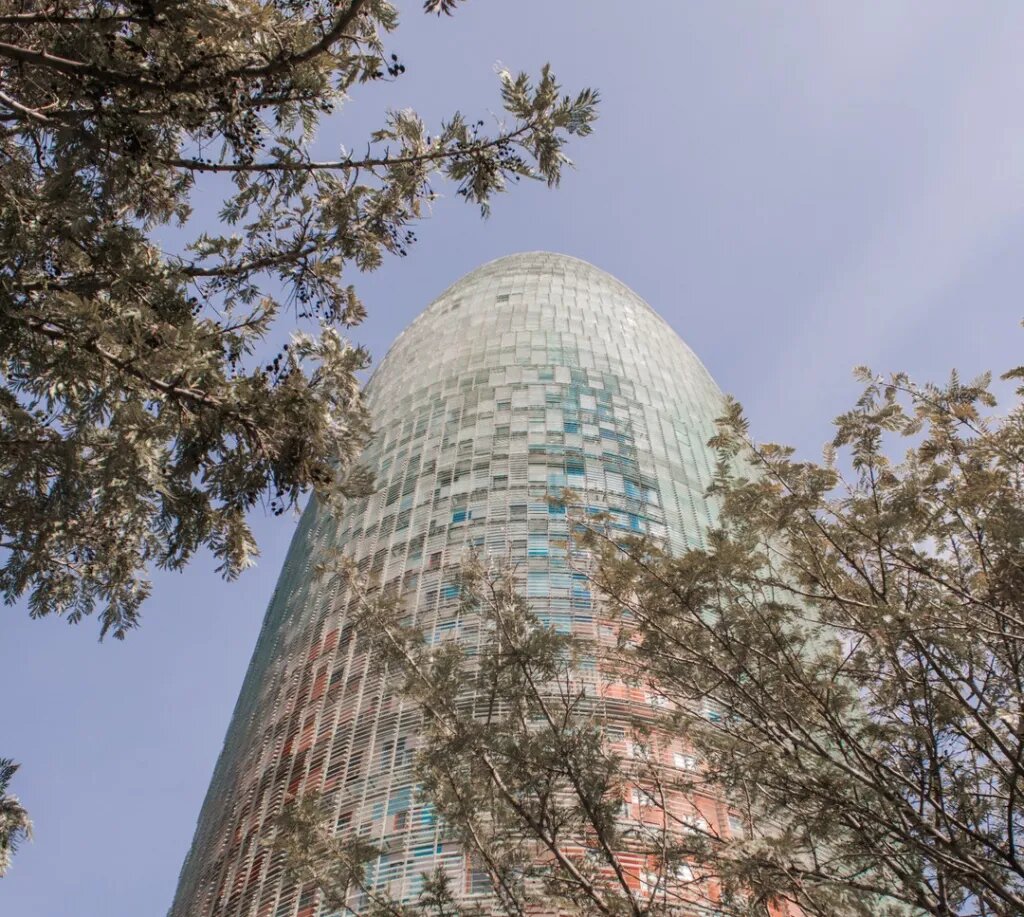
[(533, 373)]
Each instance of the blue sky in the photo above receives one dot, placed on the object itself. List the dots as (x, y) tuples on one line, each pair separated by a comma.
[(797, 188)]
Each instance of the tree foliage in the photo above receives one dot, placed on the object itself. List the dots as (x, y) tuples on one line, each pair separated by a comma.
[(147, 400), (15, 825), (524, 760), (859, 626), (843, 662), (338, 867)]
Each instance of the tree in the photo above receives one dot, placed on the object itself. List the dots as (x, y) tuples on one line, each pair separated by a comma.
[(557, 790), (150, 400), (338, 868), (15, 825), (858, 625), (842, 665)]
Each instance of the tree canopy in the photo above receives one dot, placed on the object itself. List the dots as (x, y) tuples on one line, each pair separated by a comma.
[(858, 622), (15, 825), (842, 662), (150, 399)]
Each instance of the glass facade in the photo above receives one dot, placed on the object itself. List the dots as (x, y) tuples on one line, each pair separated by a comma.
[(534, 373)]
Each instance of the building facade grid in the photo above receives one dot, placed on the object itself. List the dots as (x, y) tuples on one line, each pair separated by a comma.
[(533, 374)]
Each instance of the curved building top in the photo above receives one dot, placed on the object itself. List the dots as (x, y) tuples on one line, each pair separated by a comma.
[(524, 304), (584, 365)]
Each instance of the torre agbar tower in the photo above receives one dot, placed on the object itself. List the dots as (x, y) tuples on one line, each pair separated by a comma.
[(533, 373)]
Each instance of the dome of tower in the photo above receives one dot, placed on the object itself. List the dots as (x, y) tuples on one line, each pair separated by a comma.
[(575, 304)]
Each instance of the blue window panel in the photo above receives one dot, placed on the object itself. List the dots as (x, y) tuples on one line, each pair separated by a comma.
[(634, 522), (428, 816), (400, 800), (537, 546), (556, 509), (633, 489), (561, 623), (580, 587), (378, 811), (450, 591), (571, 426), (537, 583), (460, 515)]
